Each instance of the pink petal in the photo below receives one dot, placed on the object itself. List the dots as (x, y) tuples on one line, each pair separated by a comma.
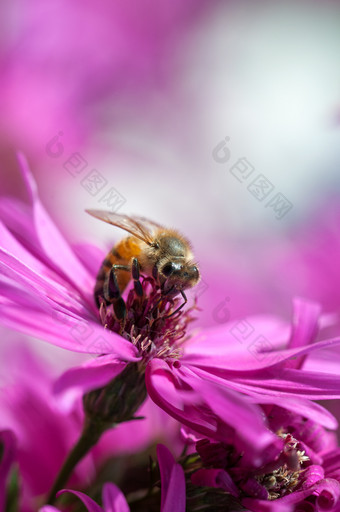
[(91, 505), (326, 490), (113, 499), (90, 256), (175, 499), (231, 340), (304, 328), (172, 482), (218, 478), (68, 332), (207, 408), (52, 242), (91, 375), (266, 506)]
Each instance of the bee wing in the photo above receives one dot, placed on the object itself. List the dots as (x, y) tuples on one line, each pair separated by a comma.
[(139, 227)]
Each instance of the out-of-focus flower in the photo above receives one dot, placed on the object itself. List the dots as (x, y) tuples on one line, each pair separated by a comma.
[(172, 489), (116, 51), (212, 383), (7, 456), (46, 428), (304, 476), (45, 433)]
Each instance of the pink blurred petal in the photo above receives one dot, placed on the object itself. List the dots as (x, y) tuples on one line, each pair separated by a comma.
[(91, 505), (305, 327), (113, 499), (173, 496), (218, 478)]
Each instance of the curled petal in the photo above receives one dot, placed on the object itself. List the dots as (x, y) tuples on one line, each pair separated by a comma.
[(311, 475), (212, 410), (326, 490), (91, 505)]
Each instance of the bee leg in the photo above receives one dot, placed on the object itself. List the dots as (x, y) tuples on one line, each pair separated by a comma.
[(135, 276), (180, 307), (112, 293)]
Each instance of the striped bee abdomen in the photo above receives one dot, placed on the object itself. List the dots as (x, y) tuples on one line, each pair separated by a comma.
[(121, 254)]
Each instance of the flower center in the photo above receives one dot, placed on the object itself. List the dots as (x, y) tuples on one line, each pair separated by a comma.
[(152, 323), (284, 479)]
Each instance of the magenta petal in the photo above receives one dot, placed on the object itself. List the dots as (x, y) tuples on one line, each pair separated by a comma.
[(302, 407), (305, 322), (266, 506), (175, 500), (10, 244), (218, 478), (311, 475), (326, 490), (51, 240), (305, 327), (208, 408), (172, 482), (113, 499), (49, 508), (68, 332), (91, 375), (91, 505)]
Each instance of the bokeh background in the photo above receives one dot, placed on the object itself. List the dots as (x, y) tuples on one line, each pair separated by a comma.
[(126, 105)]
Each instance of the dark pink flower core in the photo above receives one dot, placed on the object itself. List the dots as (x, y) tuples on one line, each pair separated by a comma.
[(276, 479), (152, 323)]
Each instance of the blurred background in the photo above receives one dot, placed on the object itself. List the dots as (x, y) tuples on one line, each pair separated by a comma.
[(219, 118)]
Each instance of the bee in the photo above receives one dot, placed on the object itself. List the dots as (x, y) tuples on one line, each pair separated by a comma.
[(151, 249)]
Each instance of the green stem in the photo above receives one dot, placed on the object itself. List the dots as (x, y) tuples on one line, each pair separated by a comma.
[(89, 437), (104, 408)]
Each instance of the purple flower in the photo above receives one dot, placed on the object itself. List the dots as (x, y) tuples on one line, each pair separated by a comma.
[(212, 381), (46, 428), (172, 484), (305, 475)]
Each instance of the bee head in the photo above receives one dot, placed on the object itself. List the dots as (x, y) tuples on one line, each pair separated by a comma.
[(176, 276)]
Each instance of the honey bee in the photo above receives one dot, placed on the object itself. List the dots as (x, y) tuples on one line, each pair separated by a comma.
[(151, 249)]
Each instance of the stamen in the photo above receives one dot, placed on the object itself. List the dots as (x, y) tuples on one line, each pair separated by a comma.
[(149, 324)]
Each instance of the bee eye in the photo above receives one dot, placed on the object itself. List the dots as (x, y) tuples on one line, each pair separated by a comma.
[(168, 269), (195, 270)]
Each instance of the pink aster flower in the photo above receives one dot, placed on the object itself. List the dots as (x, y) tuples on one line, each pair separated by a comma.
[(212, 381), (112, 55), (304, 476), (46, 429), (172, 489)]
